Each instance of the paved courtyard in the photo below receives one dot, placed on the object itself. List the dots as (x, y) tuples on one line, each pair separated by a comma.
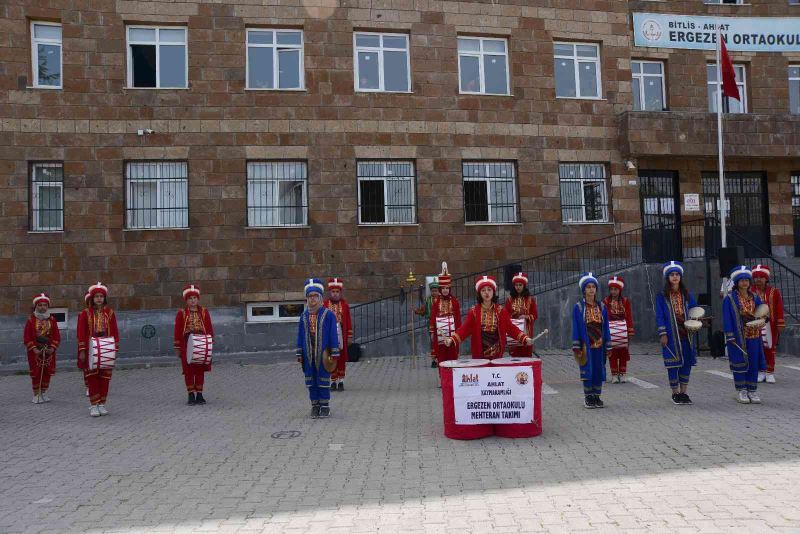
[(381, 463)]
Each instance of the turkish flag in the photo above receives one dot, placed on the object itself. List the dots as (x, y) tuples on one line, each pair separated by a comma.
[(729, 87)]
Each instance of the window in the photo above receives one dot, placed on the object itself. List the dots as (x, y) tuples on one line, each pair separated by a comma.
[(648, 85), (47, 197), (729, 105), (157, 57), (584, 198), (794, 89), (386, 192), (577, 70), (735, 2), (382, 62), (156, 195), (490, 194), (483, 65), (61, 315), (274, 59), (274, 312), (277, 193), (46, 54)]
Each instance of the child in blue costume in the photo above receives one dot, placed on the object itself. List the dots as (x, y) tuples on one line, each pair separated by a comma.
[(591, 340), (316, 335), (677, 347), (745, 346)]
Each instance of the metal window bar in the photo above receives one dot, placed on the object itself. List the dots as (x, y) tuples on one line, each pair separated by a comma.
[(157, 195), (277, 193), (490, 192), (386, 192), (47, 197), (584, 193)]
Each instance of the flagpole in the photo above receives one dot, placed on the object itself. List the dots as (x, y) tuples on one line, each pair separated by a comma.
[(721, 162)]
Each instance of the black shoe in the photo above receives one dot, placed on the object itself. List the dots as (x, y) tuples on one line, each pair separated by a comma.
[(324, 411), (588, 402), (685, 399), (333, 386), (192, 400), (341, 386), (677, 399), (598, 403), (314, 411), (199, 398), (434, 365)]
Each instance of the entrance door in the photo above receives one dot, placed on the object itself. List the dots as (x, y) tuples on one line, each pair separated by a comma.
[(661, 224), (746, 213)]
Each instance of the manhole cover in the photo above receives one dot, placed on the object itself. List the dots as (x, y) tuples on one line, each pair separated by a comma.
[(148, 331), (286, 434)]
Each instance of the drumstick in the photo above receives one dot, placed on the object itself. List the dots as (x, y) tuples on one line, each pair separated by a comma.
[(41, 373), (543, 333)]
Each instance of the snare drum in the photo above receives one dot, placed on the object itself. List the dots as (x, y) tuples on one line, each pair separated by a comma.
[(102, 353), (521, 324), (445, 326), (619, 333), (199, 348)]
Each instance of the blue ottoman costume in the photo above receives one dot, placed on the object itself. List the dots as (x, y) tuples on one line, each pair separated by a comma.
[(671, 312), (315, 335), (591, 340)]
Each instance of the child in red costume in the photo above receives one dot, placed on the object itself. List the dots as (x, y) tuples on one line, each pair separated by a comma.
[(192, 319), (619, 311), (41, 338)]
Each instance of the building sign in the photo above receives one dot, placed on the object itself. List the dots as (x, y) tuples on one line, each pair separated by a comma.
[(497, 395), (691, 202), (748, 34)]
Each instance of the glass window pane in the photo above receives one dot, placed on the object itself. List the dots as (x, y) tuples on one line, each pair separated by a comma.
[(794, 72), (143, 58), (470, 72), (636, 67), (586, 50), (494, 70), (400, 201), (290, 199), (571, 201), (476, 201), (794, 96), (734, 106), (372, 203), (371, 40), (711, 73), (654, 98), (368, 70), (395, 71), (503, 201), (172, 66), (49, 207), (173, 204), (588, 75), (395, 42), (49, 65), (494, 46), (712, 97), (565, 77), (290, 38), (47, 31), (563, 49), (468, 45), (652, 68), (289, 69), (259, 37), (142, 209), (260, 68), (172, 35), (637, 98), (142, 34)]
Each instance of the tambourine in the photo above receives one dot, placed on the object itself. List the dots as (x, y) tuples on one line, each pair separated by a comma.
[(762, 311), (693, 325), (757, 323), (328, 361), (697, 313)]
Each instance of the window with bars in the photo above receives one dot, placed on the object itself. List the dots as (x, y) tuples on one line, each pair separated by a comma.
[(277, 193), (47, 197), (490, 191), (483, 65), (386, 191), (274, 59), (157, 57), (729, 105), (46, 54), (584, 192), (156, 195), (381, 62)]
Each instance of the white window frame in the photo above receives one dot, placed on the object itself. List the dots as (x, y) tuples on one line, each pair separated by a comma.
[(384, 179), (35, 53), (61, 324), (721, 2), (794, 79), (581, 180), (741, 84), (639, 78), (480, 55), (276, 48), (157, 44), (379, 51), (36, 225), (488, 180), (577, 60), (275, 317), (159, 181), (274, 182)]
